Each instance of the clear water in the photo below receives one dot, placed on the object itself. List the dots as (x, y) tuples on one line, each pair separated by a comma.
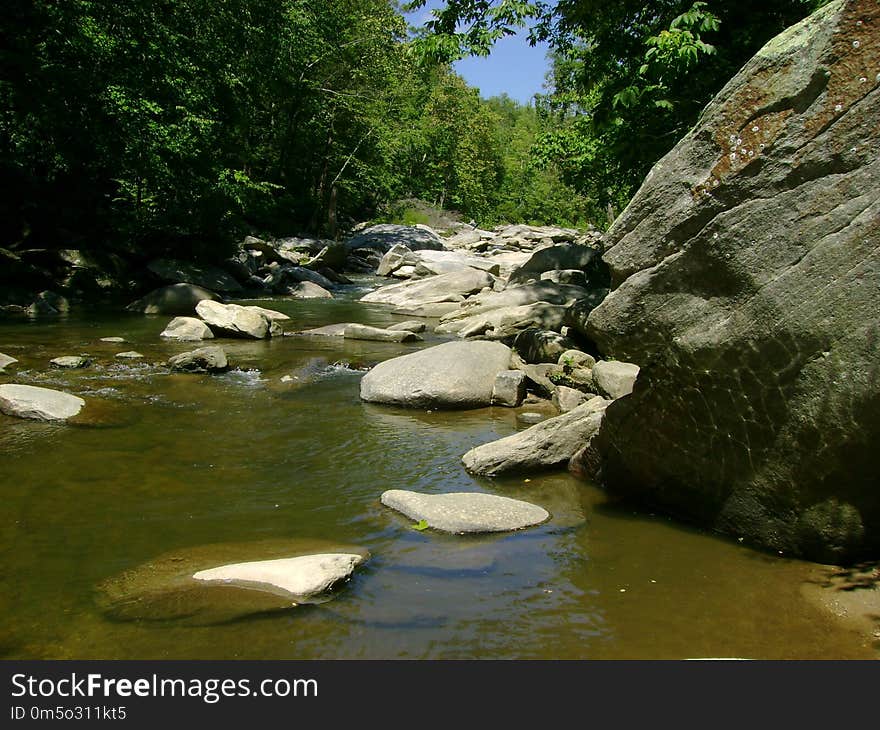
[(168, 462)]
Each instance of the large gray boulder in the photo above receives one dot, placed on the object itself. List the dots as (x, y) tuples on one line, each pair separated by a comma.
[(171, 300), (309, 290), (747, 271), (183, 272), (545, 445), (442, 288), (233, 320), (384, 236), (187, 329), (465, 512), (451, 375), (39, 404)]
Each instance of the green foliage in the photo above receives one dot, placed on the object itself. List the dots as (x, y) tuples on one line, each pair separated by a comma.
[(629, 77), (420, 525)]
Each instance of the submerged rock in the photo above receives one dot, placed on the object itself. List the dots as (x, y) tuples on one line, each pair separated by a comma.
[(113, 340), (171, 300), (451, 375), (204, 360), (40, 404), (70, 362), (746, 273), (550, 443), (463, 512), (130, 355), (187, 329), (218, 583)]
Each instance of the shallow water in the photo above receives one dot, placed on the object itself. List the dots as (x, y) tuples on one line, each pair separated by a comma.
[(167, 462)]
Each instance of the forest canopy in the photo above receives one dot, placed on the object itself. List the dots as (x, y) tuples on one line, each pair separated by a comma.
[(158, 125)]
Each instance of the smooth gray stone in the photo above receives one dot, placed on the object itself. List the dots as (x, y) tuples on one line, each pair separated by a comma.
[(129, 355), (363, 332), (204, 360), (301, 577), (70, 362), (509, 388), (187, 329), (451, 375), (40, 404), (464, 512), (409, 326), (548, 444), (6, 360), (615, 379)]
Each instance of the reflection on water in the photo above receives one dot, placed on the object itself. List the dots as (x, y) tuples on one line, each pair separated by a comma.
[(167, 462)]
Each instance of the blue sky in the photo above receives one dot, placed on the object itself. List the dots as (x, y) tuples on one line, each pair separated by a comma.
[(514, 67)]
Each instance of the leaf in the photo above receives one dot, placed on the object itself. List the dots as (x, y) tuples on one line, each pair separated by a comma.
[(420, 525)]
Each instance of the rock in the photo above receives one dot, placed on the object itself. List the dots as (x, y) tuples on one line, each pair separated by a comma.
[(330, 330), (465, 512), (363, 332), (40, 404), (434, 310), (451, 375), (539, 376), (409, 326), (575, 277), (404, 272), (6, 361), (746, 274), (563, 256), (52, 300), (505, 323), (70, 362), (576, 359), (130, 355), (531, 418), (615, 379), (204, 360), (181, 272), (543, 446), (187, 329), (433, 289), (114, 340), (171, 300), (300, 274), (236, 321), (579, 311), (386, 235), (509, 388), (567, 399), (252, 580), (536, 345), (392, 260), (269, 314), (309, 290), (302, 578)]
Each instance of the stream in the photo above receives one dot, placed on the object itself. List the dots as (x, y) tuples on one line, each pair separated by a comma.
[(173, 461)]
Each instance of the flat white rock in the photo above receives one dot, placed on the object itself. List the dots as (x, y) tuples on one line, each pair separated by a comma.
[(301, 577), (460, 512), (40, 404)]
